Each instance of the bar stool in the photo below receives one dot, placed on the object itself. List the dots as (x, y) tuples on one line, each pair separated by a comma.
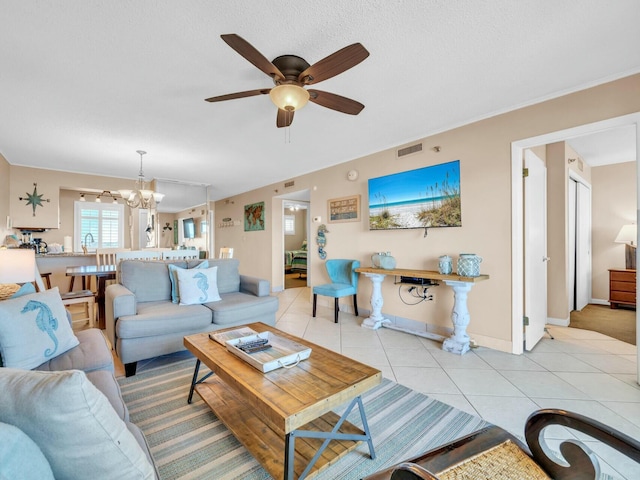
[(85, 297), (47, 280)]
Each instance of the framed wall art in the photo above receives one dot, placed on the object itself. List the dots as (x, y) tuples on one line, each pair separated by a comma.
[(426, 197), (254, 217), (344, 209)]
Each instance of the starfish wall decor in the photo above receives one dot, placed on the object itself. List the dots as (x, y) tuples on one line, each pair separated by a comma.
[(34, 199)]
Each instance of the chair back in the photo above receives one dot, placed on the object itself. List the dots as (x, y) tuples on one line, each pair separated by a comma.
[(138, 255), (343, 271), (107, 256), (180, 254), (226, 252)]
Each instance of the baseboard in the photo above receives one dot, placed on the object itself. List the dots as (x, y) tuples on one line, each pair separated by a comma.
[(599, 301), (558, 322), (277, 289)]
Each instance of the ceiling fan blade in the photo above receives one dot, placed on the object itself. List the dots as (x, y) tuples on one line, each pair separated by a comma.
[(284, 118), (334, 64), (335, 102), (249, 52), (232, 96)]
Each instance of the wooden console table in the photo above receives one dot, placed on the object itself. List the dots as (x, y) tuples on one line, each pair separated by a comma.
[(458, 342)]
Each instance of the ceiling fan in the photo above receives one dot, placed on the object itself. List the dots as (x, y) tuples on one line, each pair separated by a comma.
[(291, 73)]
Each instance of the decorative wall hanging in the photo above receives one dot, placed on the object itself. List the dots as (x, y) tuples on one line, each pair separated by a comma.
[(426, 197), (321, 240), (254, 217), (34, 199), (345, 209)]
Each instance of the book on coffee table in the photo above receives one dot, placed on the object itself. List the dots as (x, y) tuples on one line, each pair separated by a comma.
[(223, 337)]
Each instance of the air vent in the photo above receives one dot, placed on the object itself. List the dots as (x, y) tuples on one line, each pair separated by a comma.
[(409, 150), (580, 165), (289, 184)]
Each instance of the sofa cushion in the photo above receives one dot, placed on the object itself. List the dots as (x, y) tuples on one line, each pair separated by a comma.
[(160, 318), (237, 307), (93, 353), (108, 386), (173, 278), (148, 281), (20, 457), (228, 274), (198, 285), (73, 424), (34, 329)]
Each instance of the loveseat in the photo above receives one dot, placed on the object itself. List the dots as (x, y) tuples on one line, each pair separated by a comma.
[(148, 313), (63, 418)]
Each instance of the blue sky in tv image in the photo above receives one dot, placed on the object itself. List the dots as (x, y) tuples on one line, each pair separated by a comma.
[(415, 186)]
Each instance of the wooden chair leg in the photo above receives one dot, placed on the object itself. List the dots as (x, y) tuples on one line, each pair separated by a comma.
[(336, 309), (355, 304), (315, 299)]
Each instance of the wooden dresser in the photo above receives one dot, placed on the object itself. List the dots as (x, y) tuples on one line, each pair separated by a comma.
[(622, 287)]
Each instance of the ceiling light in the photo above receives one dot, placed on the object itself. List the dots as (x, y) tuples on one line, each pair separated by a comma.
[(141, 197), (289, 97), (82, 199)]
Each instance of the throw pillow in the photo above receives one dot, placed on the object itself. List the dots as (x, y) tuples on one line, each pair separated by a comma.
[(20, 457), (25, 289), (73, 423), (173, 277), (198, 285), (34, 329)]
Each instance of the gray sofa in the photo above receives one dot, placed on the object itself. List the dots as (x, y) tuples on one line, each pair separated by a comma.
[(93, 357), (142, 322)]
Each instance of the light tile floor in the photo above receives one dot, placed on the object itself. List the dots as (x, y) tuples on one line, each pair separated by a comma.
[(581, 371)]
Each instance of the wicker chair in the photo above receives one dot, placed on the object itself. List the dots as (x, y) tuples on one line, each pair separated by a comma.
[(492, 453)]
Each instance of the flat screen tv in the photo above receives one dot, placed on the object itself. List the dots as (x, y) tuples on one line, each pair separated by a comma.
[(426, 197), (189, 228)]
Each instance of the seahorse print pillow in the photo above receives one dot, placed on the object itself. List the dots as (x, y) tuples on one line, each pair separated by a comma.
[(34, 329), (198, 285)]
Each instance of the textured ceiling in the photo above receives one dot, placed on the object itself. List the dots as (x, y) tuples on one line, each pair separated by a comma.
[(85, 83)]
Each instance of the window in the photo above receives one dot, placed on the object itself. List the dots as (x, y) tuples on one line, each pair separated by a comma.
[(289, 225), (102, 222)]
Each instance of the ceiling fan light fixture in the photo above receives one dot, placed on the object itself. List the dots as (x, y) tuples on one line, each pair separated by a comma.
[(289, 97)]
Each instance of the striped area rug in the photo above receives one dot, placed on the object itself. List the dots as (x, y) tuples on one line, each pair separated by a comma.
[(189, 442)]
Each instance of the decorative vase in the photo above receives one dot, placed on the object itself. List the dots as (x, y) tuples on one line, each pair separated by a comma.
[(469, 265), (383, 260), (445, 266)]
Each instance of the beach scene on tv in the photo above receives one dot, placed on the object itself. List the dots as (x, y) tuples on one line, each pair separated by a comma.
[(426, 197)]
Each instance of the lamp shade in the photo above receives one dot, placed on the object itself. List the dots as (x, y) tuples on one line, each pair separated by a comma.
[(289, 97), (17, 266), (628, 234)]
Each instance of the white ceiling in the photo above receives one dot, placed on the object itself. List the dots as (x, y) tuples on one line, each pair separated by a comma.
[(86, 83)]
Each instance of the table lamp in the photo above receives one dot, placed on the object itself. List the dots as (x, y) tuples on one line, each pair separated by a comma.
[(629, 236), (17, 266)]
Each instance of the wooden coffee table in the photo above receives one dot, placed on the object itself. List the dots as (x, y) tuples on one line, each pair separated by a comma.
[(267, 412)]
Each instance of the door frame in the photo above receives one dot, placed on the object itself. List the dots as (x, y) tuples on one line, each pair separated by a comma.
[(517, 217)]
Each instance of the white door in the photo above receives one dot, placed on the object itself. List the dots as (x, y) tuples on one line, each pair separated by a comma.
[(535, 249), (583, 245), (571, 245)]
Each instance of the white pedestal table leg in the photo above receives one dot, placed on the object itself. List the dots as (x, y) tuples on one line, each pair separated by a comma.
[(376, 319), (459, 341)]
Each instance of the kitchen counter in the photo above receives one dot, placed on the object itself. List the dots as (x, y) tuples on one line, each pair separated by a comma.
[(65, 254)]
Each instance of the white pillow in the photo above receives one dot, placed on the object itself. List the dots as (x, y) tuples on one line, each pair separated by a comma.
[(73, 423), (173, 277), (198, 285), (34, 329)]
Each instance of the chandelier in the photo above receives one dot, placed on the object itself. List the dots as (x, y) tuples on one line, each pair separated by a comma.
[(141, 197)]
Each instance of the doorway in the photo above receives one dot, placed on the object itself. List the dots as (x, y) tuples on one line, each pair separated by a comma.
[(295, 238), (517, 205)]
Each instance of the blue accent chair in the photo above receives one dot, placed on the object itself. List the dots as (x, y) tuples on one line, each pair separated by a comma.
[(344, 282)]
